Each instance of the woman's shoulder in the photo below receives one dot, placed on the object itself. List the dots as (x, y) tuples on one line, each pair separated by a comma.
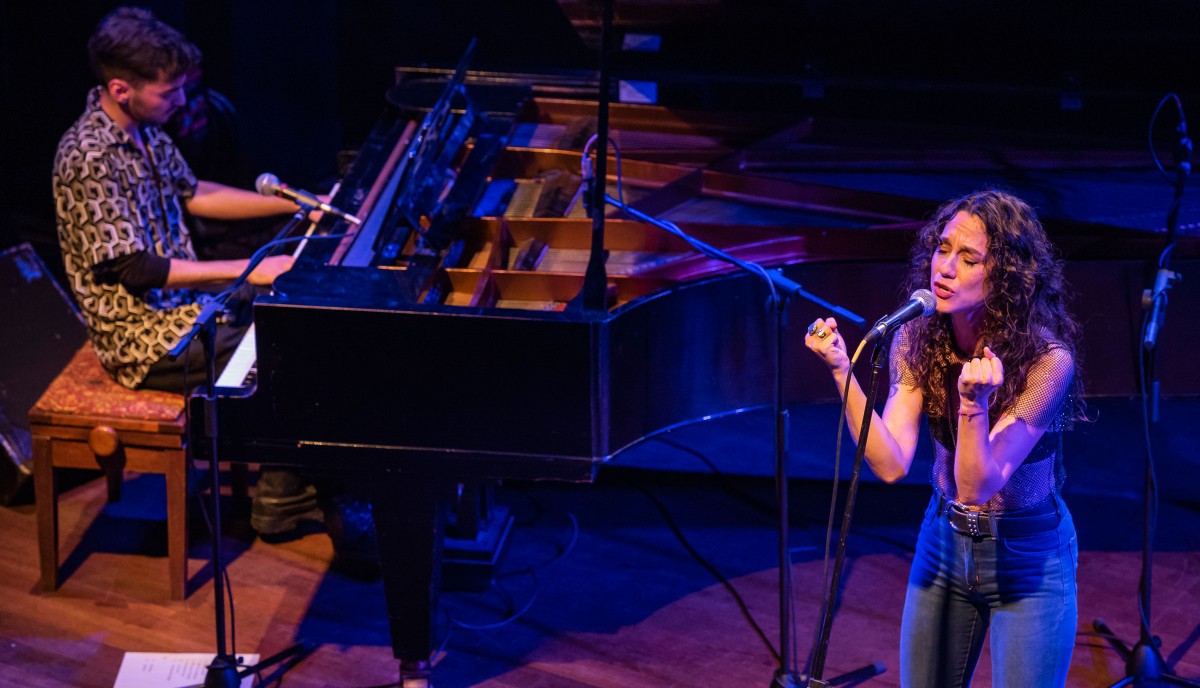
[(1055, 360), (1054, 350)]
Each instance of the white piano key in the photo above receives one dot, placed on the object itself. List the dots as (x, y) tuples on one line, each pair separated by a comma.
[(240, 364)]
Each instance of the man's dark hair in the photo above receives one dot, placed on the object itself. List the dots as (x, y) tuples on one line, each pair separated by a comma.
[(131, 44)]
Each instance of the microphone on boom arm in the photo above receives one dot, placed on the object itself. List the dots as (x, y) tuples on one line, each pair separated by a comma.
[(268, 184), (921, 303)]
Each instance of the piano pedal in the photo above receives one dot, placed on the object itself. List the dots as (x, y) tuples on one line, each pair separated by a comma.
[(468, 565)]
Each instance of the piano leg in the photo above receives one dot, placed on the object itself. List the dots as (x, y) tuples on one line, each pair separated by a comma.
[(409, 524)]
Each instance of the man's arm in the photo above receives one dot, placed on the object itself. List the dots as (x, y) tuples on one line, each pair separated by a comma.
[(187, 274), (219, 202), (143, 270), (91, 224)]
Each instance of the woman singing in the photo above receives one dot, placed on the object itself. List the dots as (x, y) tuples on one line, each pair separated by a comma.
[(996, 373)]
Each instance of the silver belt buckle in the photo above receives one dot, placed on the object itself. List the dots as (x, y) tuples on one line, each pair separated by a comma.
[(973, 523), (972, 517)]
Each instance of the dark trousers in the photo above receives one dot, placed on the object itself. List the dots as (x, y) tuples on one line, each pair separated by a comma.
[(188, 371)]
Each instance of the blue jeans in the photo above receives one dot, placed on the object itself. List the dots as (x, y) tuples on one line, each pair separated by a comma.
[(1022, 587)]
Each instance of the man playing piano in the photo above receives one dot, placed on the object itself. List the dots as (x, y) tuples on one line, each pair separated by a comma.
[(121, 190)]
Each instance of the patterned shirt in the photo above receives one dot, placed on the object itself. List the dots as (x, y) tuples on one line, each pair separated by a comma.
[(113, 199)]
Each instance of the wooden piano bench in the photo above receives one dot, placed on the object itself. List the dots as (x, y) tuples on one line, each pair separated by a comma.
[(86, 420)]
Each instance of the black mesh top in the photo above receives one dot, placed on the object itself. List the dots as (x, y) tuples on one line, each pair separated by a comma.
[(1045, 402)]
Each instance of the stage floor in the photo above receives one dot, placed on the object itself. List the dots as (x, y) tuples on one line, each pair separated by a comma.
[(650, 577)]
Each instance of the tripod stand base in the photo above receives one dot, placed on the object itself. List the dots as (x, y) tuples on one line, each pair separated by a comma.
[(860, 674), (222, 673), (784, 679), (1144, 665)]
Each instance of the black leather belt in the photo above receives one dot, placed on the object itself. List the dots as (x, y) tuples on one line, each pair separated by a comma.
[(991, 524)]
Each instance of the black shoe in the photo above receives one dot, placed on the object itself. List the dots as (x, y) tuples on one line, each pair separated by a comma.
[(282, 502)]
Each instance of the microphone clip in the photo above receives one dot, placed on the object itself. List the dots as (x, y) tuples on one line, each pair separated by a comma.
[(1183, 151), (588, 186)]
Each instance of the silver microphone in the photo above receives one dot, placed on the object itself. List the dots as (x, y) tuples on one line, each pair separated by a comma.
[(268, 184), (919, 304)]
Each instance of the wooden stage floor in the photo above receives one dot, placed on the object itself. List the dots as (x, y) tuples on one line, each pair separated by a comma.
[(610, 573)]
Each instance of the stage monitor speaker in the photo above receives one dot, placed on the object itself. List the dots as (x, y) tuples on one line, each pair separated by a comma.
[(40, 330)]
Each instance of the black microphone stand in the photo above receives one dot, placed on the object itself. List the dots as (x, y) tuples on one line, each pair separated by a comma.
[(1144, 664), (223, 672), (592, 296), (782, 289), (817, 660), (590, 302)]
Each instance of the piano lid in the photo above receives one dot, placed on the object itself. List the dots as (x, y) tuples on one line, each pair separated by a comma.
[(682, 339)]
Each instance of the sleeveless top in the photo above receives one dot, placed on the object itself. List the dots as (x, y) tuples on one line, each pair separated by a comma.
[(1045, 403)]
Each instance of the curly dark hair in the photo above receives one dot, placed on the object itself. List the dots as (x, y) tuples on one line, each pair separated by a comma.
[(131, 44), (1026, 312)]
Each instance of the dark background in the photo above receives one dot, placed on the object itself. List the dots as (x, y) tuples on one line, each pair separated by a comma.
[(307, 78)]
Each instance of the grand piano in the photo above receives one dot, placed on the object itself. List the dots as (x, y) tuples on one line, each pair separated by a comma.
[(439, 345)]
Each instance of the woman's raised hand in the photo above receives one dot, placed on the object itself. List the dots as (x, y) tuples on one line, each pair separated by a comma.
[(979, 378), (823, 339)]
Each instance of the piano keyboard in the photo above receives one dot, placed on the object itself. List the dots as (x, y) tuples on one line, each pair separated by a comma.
[(238, 377)]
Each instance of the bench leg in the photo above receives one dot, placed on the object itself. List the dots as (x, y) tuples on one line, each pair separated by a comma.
[(177, 532), (45, 493)]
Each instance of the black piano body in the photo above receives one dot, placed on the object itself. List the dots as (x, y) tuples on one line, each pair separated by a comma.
[(415, 358)]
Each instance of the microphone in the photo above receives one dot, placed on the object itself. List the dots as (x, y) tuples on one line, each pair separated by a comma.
[(920, 304), (268, 184)]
